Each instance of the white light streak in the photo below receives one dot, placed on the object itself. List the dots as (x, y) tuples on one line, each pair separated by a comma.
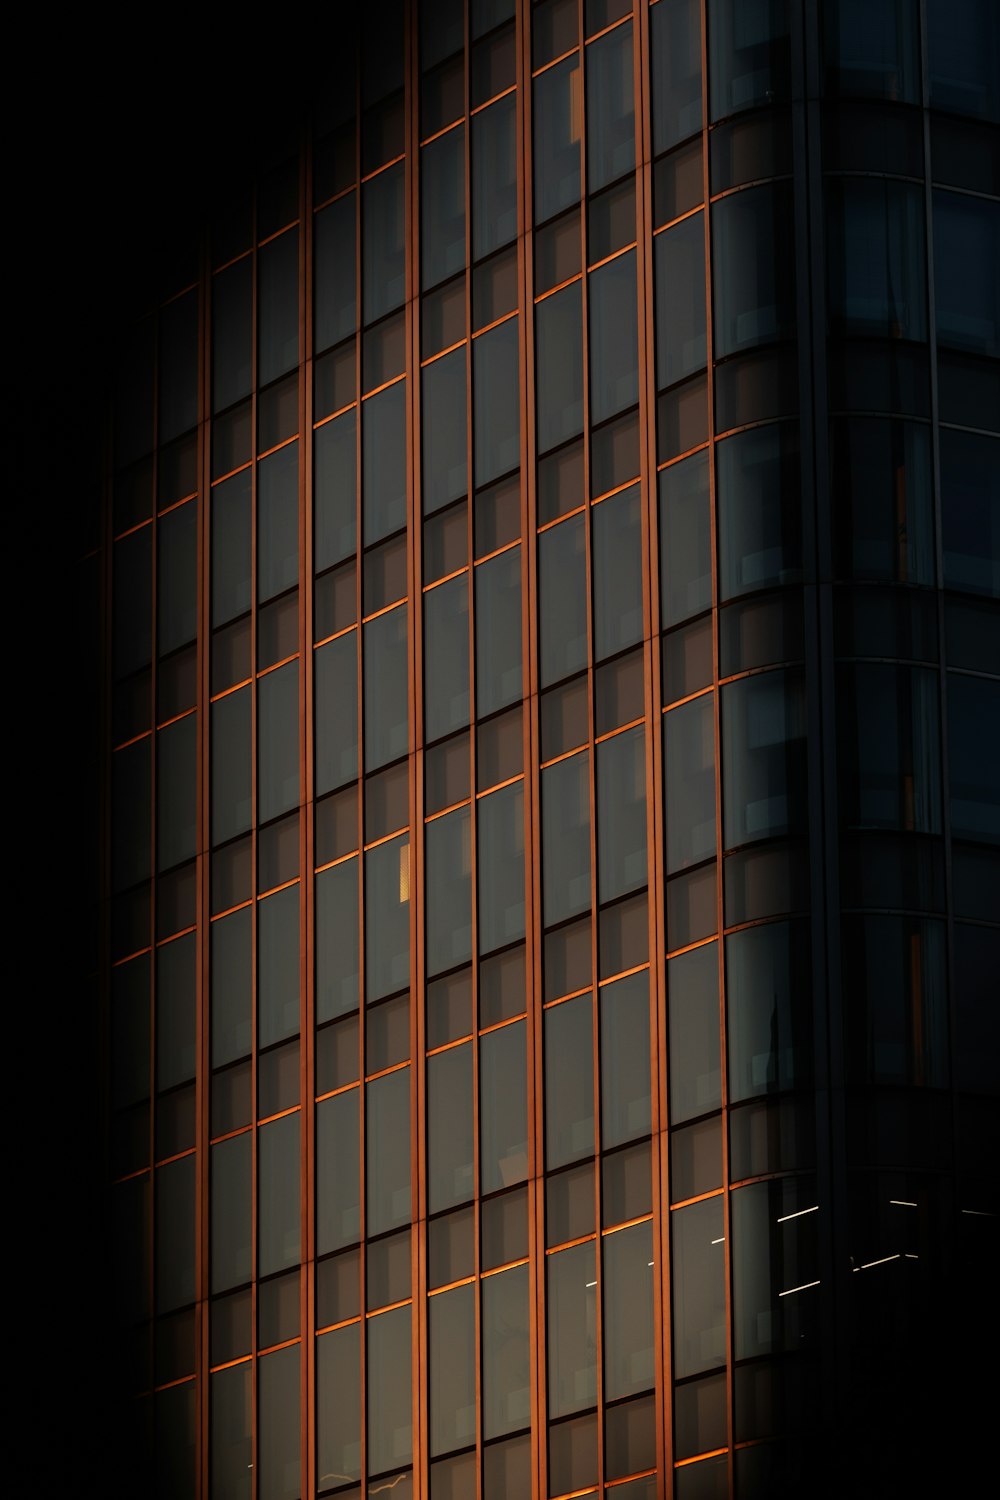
[(867, 1264), (793, 1289), (798, 1214)]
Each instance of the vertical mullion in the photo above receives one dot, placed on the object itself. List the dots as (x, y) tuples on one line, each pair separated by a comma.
[(203, 1073), (255, 1193)]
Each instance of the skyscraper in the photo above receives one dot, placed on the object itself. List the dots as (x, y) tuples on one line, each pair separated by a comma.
[(549, 567)]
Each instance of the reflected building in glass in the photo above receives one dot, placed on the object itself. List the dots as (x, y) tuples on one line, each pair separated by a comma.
[(551, 561)]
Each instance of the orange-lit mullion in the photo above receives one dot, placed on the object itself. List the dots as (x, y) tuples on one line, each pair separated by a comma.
[(254, 1156), (717, 730)]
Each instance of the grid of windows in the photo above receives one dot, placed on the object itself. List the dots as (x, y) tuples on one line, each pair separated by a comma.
[(555, 830)]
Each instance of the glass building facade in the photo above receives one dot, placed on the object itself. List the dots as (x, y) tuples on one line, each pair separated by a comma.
[(549, 572)]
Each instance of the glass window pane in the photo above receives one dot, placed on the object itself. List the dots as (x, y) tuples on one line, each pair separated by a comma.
[(681, 347), (449, 1128), (610, 109), (878, 282), (621, 814), (494, 177), (278, 966), (769, 1030), (442, 207), (231, 1183), (506, 1362), (230, 729), (386, 729), (390, 1381), (387, 918), (336, 712), (232, 337), (498, 632), (278, 1243), (278, 741), (495, 397), (503, 1108), (448, 873), (693, 1009), (383, 431), (446, 658), (689, 782), (338, 1186), (382, 269), (334, 310), (232, 987), (572, 1329), (175, 1011), (338, 1405), (625, 1077), (966, 253), (176, 792), (177, 578), (753, 282), (500, 865), (699, 1287), (685, 539), (231, 544), (556, 131), (763, 757), (278, 314), (559, 366), (337, 970), (335, 491), (617, 554), (278, 522), (675, 68), (614, 356), (566, 838), (628, 1311), (443, 427), (562, 591), (174, 1219), (451, 1340), (750, 53), (231, 1406), (569, 1081), (387, 1147), (970, 511)]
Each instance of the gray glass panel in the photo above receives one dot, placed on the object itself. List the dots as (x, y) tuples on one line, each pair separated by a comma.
[(882, 471), (231, 987), (769, 1010), (175, 1011), (775, 1266), (386, 729), (231, 765), (336, 712), (390, 1381), (132, 614), (973, 769), (699, 1287), (176, 792), (689, 782), (278, 522), (556, 131), (566, 838), (278, 966), (335, 481), (278, 315), (442, 207), (562, 590), (383, 434), (749, 52), (685, 539), (231, 1175), (443, 431), (278, 1195), (387, 918), (231, 548), (446, 658), (278, 741), (569, 1081), (494, 177), (174, 1440), (448, 873), (131, 854), (495, 398), (383, 271), (334, 312), (693, 1009), (338, 1406), (763, 757), (625, 1078), (966, 254), (174, 1220), (387, 1148), (681, 346), (449, 1128), (337, 945), (559, 366), (970, 511), (500, 866), (503, 1108), (230, 1405), (451, 1338), (878, 281), (873, 49), (498, 632), (675, 71), (232, 336), (610, 109), (628, 1311), (338, 1180), (621, 814), (177, 578), (617, 553), (177, 390), (130, 1030), (890, 747), (572, 1329), (506, 1362), (753, 281), (278, 1441)]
